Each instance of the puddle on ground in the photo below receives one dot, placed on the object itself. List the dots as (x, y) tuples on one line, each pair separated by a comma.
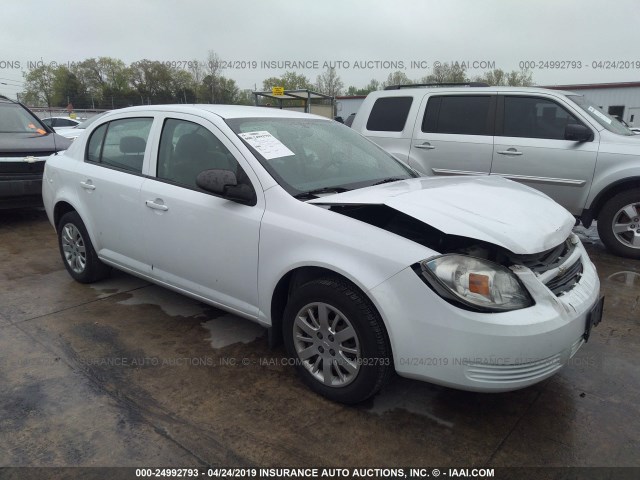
[(229, 329), (117, 283), (171, 303), (625, 278), (413, 398)]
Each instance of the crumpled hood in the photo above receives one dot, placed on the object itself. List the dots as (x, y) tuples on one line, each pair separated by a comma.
[(488, 208)]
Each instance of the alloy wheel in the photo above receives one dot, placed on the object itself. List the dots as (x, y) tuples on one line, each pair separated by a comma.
[(75, 252), (327, 344), (626, 225)]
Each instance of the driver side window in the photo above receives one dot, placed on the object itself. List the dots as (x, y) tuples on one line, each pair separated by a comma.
[(533, 117), (186, 149)]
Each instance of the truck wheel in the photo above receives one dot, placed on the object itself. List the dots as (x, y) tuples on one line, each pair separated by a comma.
[(619, 224), (337, 340), (78, 255)]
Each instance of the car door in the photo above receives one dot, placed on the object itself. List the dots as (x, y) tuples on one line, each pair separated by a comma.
[(197, 242), (530, 148), (109, 182), (454, 134)]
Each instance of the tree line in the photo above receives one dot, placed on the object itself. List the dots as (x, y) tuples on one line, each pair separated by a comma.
[(107, 83)]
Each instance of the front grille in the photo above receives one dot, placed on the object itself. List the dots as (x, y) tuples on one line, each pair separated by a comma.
[(8, 169), (557, 257), (566, 280), (541, 262)]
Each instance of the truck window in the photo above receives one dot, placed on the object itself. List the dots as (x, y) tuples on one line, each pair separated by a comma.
[(389, 114), (459, 114), (533, 117)]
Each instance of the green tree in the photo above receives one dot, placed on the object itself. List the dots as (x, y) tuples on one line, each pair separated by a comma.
[(396, 78), (197, 69), (515, 78), (152, 81), (67, 88), (289, 80), (39, 86), (182, 86), (372, 87), (104, 79), (245, 97), (329, 83), (220, 90), (446, 73)]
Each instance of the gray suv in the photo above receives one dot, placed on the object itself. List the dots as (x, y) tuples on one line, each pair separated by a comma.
[(25, 144), (556, 142)]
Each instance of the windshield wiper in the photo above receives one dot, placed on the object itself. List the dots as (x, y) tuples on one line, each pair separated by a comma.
[(314, 193), (388, 180)]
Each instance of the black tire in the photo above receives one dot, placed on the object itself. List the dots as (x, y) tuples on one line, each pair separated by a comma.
[(614, 243), (91, 269), (374, 359)]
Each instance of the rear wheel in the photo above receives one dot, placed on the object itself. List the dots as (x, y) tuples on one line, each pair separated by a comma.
[(337, 339), (78, 255), (619, 224)]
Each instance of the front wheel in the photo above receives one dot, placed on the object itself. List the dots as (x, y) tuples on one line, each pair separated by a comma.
[(78, 255), (338, 340), (619, 224)]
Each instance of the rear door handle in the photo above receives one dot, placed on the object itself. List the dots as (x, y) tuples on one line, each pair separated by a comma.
[(511, 152), (156, 206), (88, 185), (425, 146)]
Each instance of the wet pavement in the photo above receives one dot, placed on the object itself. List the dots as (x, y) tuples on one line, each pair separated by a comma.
[(130, 374)]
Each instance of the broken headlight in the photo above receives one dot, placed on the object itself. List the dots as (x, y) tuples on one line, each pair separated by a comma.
[(474, 283)]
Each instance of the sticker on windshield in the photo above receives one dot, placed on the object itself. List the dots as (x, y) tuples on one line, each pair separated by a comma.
[(599, 114), (266, 144)]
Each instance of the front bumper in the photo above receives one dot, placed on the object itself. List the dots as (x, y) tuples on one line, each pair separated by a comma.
[(21, 192), (21, 183), (438, 342)]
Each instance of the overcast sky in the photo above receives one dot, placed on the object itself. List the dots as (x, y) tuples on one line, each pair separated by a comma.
[(363, 31)]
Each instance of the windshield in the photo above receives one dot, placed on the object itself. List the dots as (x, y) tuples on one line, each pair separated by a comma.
[(16, 119), (607, 121), (306, 155)]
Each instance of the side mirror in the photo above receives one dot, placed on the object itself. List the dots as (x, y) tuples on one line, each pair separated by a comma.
[(577, 133), (225, 184)]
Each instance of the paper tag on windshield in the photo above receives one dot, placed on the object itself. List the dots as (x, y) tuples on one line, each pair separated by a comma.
[(600, 115), (266, 144)]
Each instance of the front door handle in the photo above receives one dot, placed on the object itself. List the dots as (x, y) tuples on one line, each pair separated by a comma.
[(511, 152), (156, 206), (425, 146), (88, 185)]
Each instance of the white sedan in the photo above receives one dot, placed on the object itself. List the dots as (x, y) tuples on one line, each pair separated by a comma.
[(61, 123), (358, 264)]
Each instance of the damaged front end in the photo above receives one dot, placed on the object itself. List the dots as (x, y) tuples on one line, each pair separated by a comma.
[(474, 274)]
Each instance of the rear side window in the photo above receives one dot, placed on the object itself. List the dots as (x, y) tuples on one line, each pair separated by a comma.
[(389, 114), (459, 114), (533, 117), (120, 144)]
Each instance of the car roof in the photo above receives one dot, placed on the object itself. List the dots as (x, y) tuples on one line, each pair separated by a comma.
[(405, 90), (224, 111)]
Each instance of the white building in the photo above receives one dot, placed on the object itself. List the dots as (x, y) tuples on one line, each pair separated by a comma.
[(619, 99), (346, 105)]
